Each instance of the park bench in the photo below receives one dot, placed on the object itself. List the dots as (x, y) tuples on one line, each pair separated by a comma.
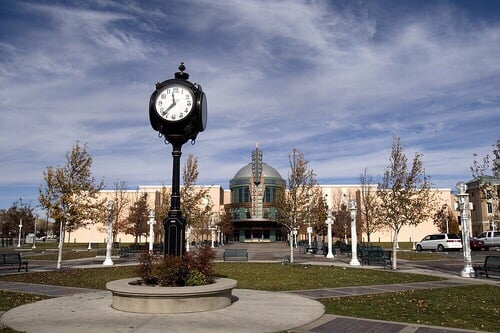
[(235, 254), (124, 252), (491, 266), (375, 255), (14, 259)]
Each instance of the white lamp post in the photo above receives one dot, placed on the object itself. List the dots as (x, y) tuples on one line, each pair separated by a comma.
[(309, 232), (109, 246), (218, 235), (354, 236), (90, 236), (329, 222), (463, 206), (20, 228), (151, 222), (188, 236), (212, 229), (295, 232), (34, 237)]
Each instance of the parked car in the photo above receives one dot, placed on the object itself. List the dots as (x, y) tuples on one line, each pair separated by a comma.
[(490, 239), (440, 242), (476, 244)]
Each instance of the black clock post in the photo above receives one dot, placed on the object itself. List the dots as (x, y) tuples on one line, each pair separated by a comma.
[(178, 111)]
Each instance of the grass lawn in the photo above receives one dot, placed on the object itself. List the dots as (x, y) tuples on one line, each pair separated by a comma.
[(297, 277), (9, 300), (440, 307), (248, 275)]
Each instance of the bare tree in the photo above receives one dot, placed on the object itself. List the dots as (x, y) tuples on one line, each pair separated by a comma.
[(496, 161), (162, 206), (138, 218), (294, 203), (225, 223), (70, 192), (405, 194), (446, 221), (19, 212), (196, 205), (121, 202), (368, 197), (489, 185)]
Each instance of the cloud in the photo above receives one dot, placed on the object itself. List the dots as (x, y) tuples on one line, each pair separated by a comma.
[(335, 80)]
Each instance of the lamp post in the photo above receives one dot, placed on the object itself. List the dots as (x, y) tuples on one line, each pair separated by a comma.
[(108, 261), (90, 236), (218, 235), (463, 206), (212, 229), (188, 236), (309, 232), (329, 222), (354, 236), (151, 222), (34, 237), (20, 228)]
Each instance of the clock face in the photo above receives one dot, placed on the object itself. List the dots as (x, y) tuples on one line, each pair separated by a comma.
[(174, 102)]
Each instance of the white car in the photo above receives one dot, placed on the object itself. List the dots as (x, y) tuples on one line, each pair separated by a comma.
[(440, 242)]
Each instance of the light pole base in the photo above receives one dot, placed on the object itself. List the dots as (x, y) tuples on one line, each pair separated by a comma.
[(355, 262), (468, 272), (330, 255), (108, 262)]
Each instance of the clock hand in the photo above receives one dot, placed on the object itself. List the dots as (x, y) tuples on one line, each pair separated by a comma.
[(170, 107)]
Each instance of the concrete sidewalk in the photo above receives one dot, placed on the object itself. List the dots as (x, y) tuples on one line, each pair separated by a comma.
[(87, 310), (83, 310)]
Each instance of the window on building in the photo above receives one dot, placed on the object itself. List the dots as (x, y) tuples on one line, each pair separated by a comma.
[(246, 194), (270, 194), (489, 207)]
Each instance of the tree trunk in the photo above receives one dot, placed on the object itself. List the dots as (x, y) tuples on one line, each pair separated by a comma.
[(291, 246), (395, 250), (61, 244)]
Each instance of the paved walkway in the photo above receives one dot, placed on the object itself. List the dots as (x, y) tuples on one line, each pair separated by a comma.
[(84, 310)]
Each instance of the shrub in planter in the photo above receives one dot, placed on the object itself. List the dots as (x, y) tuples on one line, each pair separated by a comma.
[(192, 269)]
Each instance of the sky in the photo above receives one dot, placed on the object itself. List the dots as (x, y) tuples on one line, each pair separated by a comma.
[(337, 80)]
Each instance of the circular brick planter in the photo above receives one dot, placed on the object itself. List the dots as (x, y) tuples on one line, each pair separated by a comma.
[(130, 297)]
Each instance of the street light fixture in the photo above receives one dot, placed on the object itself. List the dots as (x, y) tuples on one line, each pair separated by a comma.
[(354, 236), (34, 237), (329, 222), (20, 228), (108, 261), (91, 224), (463, 206), (151, 222)]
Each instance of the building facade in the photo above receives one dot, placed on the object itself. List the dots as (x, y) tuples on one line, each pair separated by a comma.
[(253, 191), (484, 193), (249, 202)]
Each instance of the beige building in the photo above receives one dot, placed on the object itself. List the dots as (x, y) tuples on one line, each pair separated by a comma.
[(484, 193), (249, 202), (251, 230)]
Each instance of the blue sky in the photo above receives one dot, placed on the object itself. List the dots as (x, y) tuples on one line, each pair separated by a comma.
[(334, 79)]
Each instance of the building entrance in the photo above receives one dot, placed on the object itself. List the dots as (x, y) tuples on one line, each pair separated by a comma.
[(257, 234)]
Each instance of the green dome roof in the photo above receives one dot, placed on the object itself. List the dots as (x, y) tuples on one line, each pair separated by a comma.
[(267, 172)]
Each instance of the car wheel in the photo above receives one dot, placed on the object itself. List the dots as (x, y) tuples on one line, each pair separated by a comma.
[(440, 248), (486, 248), (419, 248)]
